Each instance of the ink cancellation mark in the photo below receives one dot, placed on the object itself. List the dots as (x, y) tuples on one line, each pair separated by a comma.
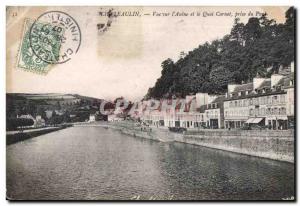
[(55, 37)]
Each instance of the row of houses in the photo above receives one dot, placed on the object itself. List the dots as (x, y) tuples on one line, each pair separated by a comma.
[(266, 102)]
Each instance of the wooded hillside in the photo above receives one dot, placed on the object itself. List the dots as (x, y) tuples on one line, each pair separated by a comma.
[(258, 47)]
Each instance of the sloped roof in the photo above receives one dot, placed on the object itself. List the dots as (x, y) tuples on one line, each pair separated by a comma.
[(286, 81), (243, 87), (219, 99), (265, 84), (280, 82), (202, 108)]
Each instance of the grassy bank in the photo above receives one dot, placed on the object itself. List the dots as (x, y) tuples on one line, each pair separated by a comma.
[(21, 136)]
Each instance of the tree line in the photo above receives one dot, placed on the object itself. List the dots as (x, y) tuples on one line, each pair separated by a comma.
[(258, 47)]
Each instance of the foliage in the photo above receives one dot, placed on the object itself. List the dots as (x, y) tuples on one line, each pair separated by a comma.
[(14, 123), (238, 57)]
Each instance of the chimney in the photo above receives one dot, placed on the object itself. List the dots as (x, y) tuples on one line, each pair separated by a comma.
[(292, 66), (201, 99)]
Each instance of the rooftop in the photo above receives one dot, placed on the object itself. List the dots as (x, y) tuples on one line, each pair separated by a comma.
[(265, 84), (243, 87)]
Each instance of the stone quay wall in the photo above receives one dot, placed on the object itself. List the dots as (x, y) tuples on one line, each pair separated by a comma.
[(276, 145)]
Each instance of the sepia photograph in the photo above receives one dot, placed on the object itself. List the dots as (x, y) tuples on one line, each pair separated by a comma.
[(150, 103)]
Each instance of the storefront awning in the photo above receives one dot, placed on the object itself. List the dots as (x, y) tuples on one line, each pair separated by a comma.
[(257, 120), (254, 120), (250, 120)]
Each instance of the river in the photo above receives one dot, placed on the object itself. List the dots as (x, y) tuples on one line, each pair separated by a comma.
[(94, 163)]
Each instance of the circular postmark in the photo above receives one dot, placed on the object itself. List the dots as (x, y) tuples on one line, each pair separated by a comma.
[(55, 37)]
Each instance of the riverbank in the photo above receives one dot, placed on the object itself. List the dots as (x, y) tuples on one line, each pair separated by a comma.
[(95, 163), (17, 136), (276, 145)]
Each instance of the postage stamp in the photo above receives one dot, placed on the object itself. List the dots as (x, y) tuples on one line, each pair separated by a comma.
[(27, 60), (55, 37)]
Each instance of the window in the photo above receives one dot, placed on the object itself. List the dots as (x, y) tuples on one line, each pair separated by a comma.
[(226, 104), (240, 103), (275, 111), (251, 112), (235, 103), (256, 111), (261, 100), (282, 98), (275, 99), (262, 111), (255, 101), (269, 100)]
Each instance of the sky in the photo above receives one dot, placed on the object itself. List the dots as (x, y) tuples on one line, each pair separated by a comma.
[(124, 60)]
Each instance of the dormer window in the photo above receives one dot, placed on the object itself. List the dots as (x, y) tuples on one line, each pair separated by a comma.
[(247, 92)]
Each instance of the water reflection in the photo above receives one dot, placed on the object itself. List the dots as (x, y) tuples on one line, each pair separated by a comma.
[(96, 163)]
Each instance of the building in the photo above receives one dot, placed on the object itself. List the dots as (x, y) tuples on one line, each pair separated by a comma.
[(92, 118), (39, 121), (236, 105), (263, 102), (212, 114)]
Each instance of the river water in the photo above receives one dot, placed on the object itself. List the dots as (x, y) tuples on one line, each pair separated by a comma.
[(94, 163)]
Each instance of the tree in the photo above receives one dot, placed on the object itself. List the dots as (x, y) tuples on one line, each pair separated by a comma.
[(248, 50), (15, 123)]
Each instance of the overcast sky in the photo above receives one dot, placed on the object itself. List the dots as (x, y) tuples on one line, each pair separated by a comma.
[(125, 60)]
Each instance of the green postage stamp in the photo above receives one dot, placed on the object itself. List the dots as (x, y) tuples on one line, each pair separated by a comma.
[(39, 40)]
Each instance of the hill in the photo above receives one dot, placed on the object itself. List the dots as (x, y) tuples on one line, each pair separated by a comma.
[(259, 47)]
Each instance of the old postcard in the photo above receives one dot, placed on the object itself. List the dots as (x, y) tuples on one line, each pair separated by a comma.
[(150, 103)]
